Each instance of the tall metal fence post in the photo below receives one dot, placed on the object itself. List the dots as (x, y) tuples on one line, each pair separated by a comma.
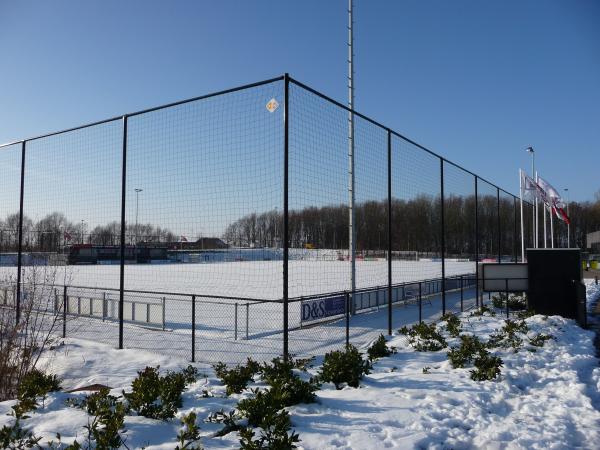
[(420, 303), (506, 296), (347, 319), (235, 315), (105, 307), (193, 328), (286, 108), (389, 224), (499, 226), (443, 240), (122, 265), (462, 294), (20, 252), (515, 231), (476, 246), (64, 312)]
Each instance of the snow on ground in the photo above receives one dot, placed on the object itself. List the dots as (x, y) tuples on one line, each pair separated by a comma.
[(230, 330), (252, 279), (215, 338), (547, 399), (592, 293)]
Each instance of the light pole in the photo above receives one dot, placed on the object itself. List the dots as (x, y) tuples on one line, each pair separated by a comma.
[(137, 198), (535, 208), (568, 223), (82, 228)]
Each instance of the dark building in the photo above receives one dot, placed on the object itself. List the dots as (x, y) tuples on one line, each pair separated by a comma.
[(205, 243)]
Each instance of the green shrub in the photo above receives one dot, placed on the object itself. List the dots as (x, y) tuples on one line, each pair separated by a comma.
[(237, 379), (286, 389), (487, 367), (344, 366), (263, 403), (508, 336), (513, 326), (274, 434), (109, 416), (104, 431), (470, 346), (379, 349), (15, 437), (37, 384), (482, 311), (34, 384), (189, 435), (504, 340), (158, 397), (525, 314), (424, 338), (452, 324), (517, 302), (99, 402), (23, 406), (278, 368), (303, 363), (293, 390), (539, 339), (227, 419), (190, 374), (498, 300), (283, 392)]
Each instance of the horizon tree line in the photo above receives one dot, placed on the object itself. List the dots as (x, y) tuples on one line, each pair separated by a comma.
[(416, 226)]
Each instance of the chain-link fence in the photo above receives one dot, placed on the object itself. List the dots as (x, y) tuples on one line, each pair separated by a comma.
[(257, 221)]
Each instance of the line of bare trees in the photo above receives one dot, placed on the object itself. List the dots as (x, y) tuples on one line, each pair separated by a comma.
[(416, 226), (55, 231)]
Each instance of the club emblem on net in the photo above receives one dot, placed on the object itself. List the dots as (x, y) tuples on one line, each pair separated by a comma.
[(272, 105)]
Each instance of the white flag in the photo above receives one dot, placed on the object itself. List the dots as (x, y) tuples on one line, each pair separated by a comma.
[(551, 193), (557, 204), (531, 189)]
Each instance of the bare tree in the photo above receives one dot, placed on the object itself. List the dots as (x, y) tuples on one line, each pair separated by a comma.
[(23, 342)]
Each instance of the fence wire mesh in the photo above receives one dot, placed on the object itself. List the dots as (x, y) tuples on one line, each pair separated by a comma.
[(10, 168), (459, 237), (487, 210), (198, 192), (508, 227)]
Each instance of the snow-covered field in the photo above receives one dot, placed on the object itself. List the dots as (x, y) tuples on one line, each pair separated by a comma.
[(252, 279), (547, 399)]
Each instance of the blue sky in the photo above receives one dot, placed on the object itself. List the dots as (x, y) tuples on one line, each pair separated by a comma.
[(475, 81)]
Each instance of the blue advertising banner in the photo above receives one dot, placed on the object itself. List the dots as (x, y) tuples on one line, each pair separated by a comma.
[(321, 308)]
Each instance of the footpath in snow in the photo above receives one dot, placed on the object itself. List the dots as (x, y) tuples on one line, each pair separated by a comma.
[(546, 397)]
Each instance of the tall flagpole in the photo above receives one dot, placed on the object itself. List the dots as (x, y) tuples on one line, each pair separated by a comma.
[(551, 227), (536, 219), (351, 212), (544, 206), (534, 224), (568, 223), (522, 226)]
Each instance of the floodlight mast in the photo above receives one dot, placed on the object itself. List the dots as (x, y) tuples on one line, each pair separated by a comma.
[(351, 211), (535, 208)]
